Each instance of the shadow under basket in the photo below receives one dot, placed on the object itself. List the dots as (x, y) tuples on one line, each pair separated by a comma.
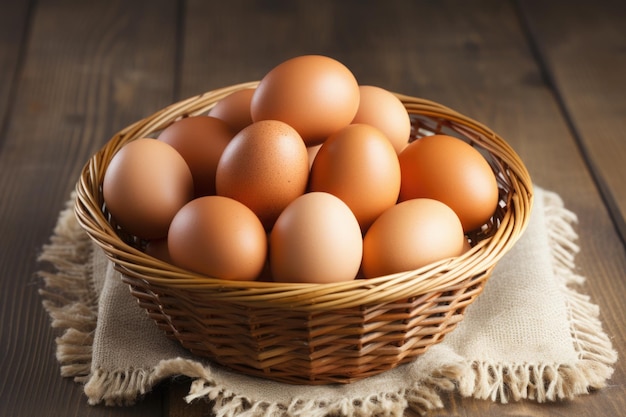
[(312, 333)]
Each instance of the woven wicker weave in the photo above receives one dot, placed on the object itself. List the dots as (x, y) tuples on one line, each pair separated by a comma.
[(312, 333)]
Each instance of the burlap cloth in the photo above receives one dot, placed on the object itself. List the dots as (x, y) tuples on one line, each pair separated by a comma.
[(530, 335)]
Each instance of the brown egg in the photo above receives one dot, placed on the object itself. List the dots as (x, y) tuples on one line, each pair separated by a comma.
[(218, 237), (410, 235), (448, 169), (360, 166), (383, 110), (145, 184), (316, 239), (200, 140), (266, 167), (314, 94), (234, 109)]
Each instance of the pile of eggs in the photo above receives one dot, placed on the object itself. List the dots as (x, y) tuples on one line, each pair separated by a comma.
[(309, 177)]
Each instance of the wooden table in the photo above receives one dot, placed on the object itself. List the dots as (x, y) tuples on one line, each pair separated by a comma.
[(550, 77)]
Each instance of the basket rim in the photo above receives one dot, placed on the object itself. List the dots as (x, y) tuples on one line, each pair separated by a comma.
[(438, 276)]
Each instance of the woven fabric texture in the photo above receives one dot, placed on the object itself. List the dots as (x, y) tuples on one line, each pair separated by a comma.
[(531, 335)]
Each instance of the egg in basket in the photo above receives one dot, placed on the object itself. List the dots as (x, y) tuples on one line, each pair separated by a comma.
[(305, 228)]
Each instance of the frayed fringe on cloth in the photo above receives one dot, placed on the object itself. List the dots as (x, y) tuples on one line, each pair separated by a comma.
[(551, 382), (72, 305), (67, 296), (122, 388), (119, 387), (420, 397)]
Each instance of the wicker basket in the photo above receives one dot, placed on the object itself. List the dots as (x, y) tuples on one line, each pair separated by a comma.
[(312, 333)]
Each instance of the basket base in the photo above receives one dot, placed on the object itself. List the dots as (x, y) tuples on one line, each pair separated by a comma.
[(311, 348)]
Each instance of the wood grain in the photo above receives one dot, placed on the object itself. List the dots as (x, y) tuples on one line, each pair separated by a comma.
[(89, 68), (584, 56), (14, 22), (547, 76), (473, 56)]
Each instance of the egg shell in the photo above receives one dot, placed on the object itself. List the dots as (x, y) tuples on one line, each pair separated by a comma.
[(316, 239), (450, 170), (265, 166), (359, 165), (234, 109), (200, 140), (410, 235), (382, 109), (316, 95), (146, 183), (218, 237)]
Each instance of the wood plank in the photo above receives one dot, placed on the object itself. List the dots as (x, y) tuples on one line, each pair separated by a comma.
[(230, 42), (14, 22), (472, 56), (90, 69), (584, 53)]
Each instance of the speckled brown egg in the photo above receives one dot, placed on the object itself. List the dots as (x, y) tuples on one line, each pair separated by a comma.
[(265, 166), (314, 94)]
